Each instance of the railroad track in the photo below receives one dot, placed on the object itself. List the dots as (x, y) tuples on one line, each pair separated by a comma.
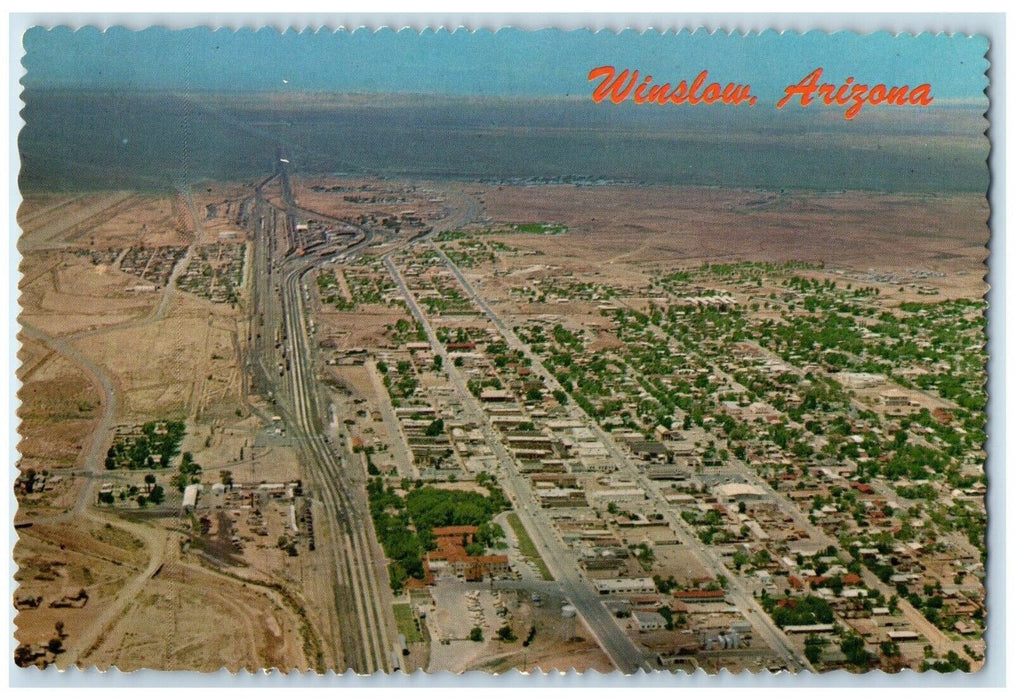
[(357, 593), (360, 597)]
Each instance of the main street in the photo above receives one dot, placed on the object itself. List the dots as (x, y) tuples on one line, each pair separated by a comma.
[(362, 597), (586, 600), (736, 591)]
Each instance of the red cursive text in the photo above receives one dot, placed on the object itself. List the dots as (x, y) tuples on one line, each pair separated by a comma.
[(619, 87), (856, 95)]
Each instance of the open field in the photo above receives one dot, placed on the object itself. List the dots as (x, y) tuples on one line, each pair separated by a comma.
[(653, 228), (59, 408), (99, 296), (109, 219), (216, 623), (63, 293), (56, 563)]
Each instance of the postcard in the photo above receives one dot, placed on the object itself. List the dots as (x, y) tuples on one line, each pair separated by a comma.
[(448, 350)]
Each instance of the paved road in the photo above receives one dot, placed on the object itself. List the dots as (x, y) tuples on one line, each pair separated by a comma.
[(555, 553), (736, 591), (94, 459)]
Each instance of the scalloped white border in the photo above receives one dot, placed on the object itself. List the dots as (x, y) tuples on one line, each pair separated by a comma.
[(660, 17)]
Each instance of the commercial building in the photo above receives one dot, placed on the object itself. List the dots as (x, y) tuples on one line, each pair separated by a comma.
[(612, 586)]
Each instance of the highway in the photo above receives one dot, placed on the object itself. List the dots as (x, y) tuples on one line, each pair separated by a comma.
[(736, 591), (556, 554)]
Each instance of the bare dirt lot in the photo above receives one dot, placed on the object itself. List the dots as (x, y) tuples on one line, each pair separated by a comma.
[(183, 364), (124, 592), (59, 407), (56, 562), (190, 617), (357, 329), (62, 293), (655, 227), (115, 219)]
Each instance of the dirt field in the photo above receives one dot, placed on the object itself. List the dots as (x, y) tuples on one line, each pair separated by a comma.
[(55, 561), (356, 329), (184, 364), (62, 293), (659, 228), (145, 604), (189, 617), (117, 219), (59, 408)]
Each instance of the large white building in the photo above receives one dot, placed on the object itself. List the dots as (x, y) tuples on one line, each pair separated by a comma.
[(190, 494), (648, 621), (733, 493), (609, 586)]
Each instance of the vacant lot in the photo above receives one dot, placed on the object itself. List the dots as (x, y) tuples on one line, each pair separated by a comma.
[(656, 227)]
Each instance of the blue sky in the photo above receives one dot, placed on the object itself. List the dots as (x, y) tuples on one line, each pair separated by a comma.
[(544, 63)]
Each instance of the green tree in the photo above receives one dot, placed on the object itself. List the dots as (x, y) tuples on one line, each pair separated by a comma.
[(813, 646), (157, 495), (890, 649), (476, 634), (668, 616), (852, 645)]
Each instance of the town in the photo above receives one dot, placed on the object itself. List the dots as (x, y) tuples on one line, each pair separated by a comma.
[(510, 452)]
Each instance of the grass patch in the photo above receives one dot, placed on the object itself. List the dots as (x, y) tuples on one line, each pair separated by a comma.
[(542, 229), (527, 546), (406, 622)]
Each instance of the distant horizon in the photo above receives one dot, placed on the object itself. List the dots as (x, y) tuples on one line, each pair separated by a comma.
[(508, 63), (99, 139), (969, 102)]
